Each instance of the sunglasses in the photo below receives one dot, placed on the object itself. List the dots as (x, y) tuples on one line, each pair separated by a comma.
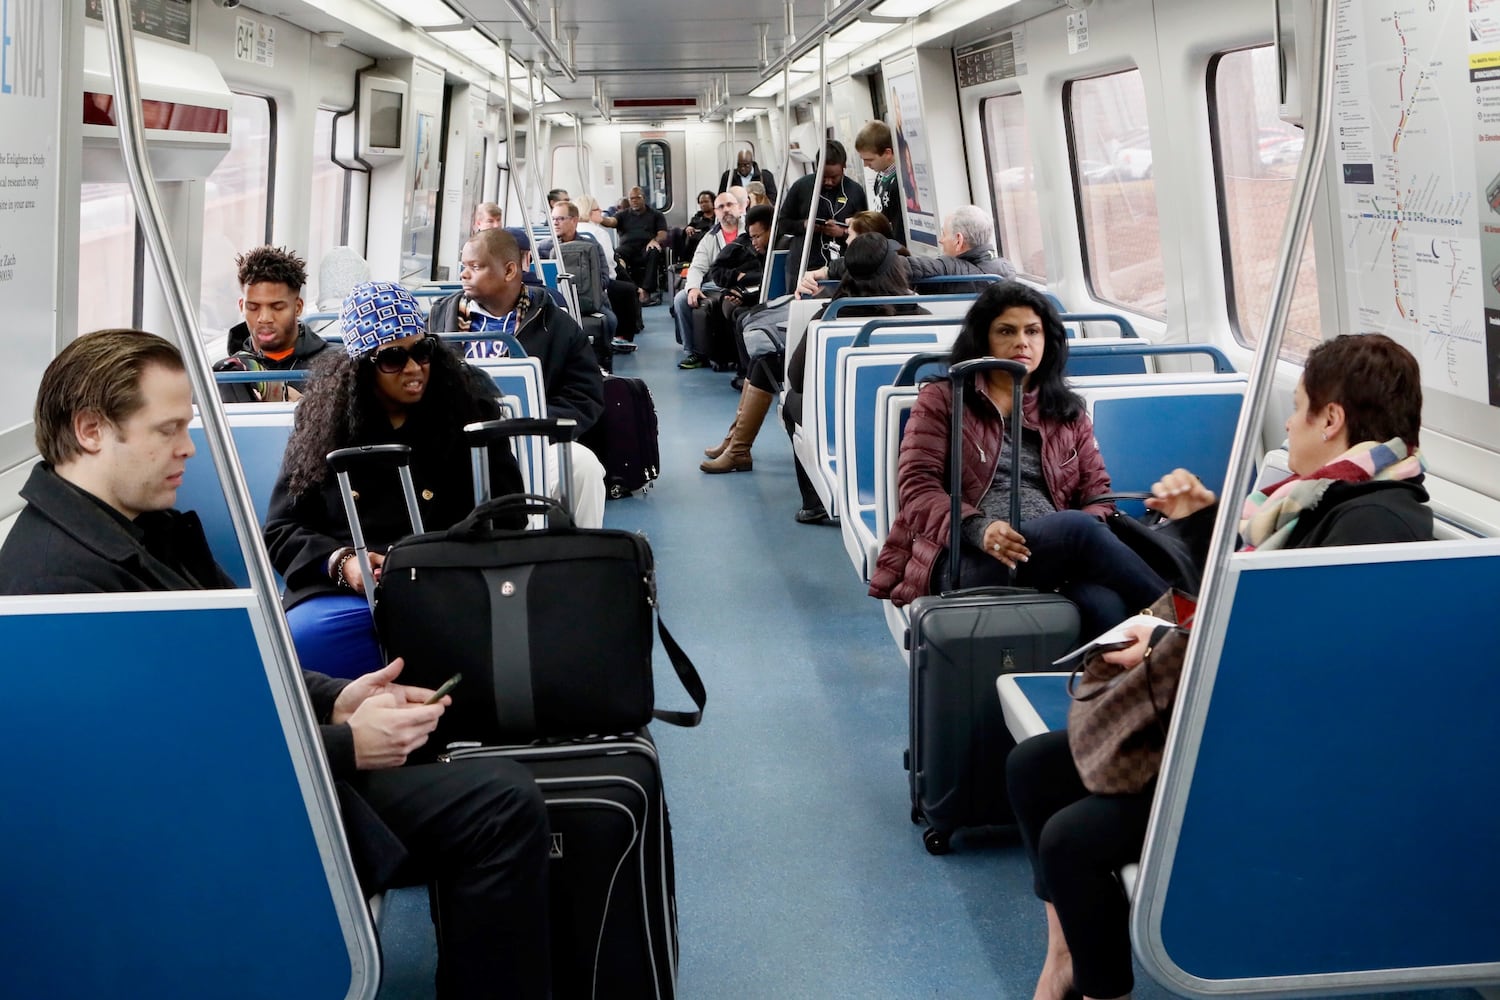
[(392, 360)]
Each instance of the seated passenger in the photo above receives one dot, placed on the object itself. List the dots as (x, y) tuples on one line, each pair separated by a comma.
[(873, 271), (494, 299), (968, 242), (728, 211), (273, 336), (487, 215), (556, 195), (589, 216), (529, 278), (111, 419), (392, 384), (697, 227), (755, 194), (889, 279), (1357, 480), (1060, 544), (877, 153), (620, 309), (642, 232)]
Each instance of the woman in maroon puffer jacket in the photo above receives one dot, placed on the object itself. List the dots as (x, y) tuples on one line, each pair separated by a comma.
[(1057, 545)]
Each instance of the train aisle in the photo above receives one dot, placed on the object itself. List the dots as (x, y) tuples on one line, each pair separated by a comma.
[(799, 874)]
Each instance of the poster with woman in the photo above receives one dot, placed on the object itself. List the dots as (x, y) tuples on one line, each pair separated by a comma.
[(913, 160)]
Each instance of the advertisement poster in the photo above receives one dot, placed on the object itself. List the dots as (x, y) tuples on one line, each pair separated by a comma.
[(913, 163), (30, 88)]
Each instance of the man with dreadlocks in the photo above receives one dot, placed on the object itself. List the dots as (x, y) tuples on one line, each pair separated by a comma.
[(392, 384), (273, 336)]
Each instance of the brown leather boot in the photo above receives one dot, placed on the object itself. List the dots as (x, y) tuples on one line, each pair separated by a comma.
[(718, 449), (754, 405)]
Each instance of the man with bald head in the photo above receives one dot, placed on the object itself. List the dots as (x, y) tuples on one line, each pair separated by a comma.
[(643, 232), (729, 209), (747, 170), (494, 300)]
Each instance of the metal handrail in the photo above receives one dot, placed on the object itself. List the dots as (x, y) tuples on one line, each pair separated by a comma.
[(359, 935)]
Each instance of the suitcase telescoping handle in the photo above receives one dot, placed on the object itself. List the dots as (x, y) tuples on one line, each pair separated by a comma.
[(397, 456), (960, 375), (483, 434)]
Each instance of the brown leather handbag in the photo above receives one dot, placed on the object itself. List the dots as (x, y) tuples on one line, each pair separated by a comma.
[(1117, 723)]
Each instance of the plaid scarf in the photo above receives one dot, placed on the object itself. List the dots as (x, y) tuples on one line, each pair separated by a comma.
[(1270, 515)]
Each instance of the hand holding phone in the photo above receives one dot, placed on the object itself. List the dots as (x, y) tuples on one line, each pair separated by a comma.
[(447, 685)]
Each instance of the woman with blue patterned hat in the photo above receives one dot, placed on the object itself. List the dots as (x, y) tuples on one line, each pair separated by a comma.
[(392, 384)]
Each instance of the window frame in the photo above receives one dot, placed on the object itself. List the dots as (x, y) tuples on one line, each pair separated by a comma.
[(644, 182), (995, 200), (1288, 352), (1076, 179)]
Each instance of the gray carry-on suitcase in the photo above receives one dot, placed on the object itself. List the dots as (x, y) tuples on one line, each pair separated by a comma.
[(960, 642)]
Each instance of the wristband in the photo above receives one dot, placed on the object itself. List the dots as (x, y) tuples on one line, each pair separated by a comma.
[(338, 569)]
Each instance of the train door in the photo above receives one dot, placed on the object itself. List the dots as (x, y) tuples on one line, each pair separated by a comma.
[(655, 161)]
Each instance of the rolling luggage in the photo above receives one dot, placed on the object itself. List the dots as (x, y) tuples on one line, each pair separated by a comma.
[(581, 259), (611, 885), (625, 437), (960, 641)]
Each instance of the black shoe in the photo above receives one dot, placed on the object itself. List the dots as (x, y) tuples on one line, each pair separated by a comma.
[(737, 383), (812, 515), (654, 300)]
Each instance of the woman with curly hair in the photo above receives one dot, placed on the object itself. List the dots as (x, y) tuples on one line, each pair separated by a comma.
[(392, 384)]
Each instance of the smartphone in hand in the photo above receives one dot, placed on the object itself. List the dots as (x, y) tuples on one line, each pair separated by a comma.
[(447, 685)]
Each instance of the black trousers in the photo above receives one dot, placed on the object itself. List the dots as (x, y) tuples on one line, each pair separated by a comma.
[(1077, 841), (791, 415), (476, 831), (644, 264), (626, 307)]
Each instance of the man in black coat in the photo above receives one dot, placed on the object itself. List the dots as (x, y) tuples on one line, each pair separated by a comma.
[(832, 198), (747, 170), (112, 419)]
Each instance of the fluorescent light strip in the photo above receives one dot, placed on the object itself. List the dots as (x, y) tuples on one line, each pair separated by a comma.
[(904, 8), (422, 13)]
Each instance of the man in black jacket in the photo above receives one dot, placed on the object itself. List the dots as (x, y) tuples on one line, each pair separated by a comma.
[(273, 336), (747, 170), (112, 419), (832, 199), (494, 300)]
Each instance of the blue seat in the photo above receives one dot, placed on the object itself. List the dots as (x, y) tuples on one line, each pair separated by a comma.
[(260, 432)]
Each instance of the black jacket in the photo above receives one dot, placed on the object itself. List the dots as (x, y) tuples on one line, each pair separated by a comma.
[(570, 374), (736, 259), (305, 350), (800, 196), (67, 542), (303, 532), (976, 260), (732, 176)]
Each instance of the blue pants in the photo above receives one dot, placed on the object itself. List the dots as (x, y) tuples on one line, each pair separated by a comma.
[(335, 636), (1076, 555)]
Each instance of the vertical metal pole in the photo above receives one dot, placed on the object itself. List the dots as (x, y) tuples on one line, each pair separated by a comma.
[(812, 208), (514, 173), (786, 157), (359, 936)]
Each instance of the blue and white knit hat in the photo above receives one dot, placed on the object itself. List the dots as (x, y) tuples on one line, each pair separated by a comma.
[(378, 312)]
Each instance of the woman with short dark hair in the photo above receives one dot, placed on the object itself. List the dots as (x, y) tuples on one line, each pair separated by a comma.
[(1356, 480)]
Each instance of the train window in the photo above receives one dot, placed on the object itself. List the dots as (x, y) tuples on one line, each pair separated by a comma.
[(106, 244), (1018, 211), (1255, 157), (653, 169), (236, 210), (1114, 191), (326, 228)]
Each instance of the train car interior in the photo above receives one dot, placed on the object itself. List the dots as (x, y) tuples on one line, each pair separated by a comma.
[(1204, 193)]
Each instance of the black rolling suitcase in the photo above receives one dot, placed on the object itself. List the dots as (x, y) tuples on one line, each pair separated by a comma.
[(960, 642), (611, 885), (625, 437)]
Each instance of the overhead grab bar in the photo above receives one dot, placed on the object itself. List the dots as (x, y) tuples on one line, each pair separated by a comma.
[(358, 934)]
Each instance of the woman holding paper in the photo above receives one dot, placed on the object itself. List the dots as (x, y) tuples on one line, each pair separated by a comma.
[(1060, 544), (1356, 480)]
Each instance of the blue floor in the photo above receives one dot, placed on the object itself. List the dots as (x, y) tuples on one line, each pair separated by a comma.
[(799, 873)]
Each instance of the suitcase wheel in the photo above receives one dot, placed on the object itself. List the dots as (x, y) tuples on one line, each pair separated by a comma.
[(936, 842)]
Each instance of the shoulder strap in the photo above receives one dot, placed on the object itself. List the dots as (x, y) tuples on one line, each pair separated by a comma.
[(687, 674)]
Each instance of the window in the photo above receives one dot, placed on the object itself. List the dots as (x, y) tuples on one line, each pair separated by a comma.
[(106, 254), (329, 181), (236, 211), (1018, 212), (1255, 160), (653, 169), (1115, 192)]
